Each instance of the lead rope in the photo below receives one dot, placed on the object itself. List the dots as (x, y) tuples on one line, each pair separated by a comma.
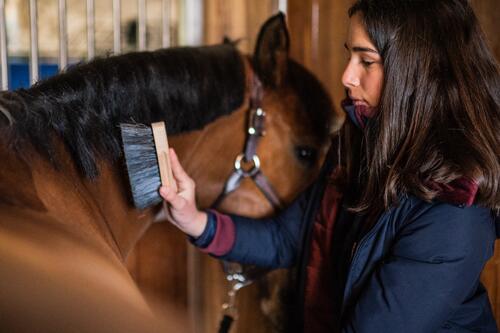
[(236, 280), (238, 277)]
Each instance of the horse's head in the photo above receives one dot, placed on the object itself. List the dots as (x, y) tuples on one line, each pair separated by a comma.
[(284, 121)]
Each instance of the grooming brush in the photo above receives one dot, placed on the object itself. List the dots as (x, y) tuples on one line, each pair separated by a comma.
[(148, 162)]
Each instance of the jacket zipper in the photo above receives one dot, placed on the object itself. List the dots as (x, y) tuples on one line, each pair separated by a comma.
[(353, 255)]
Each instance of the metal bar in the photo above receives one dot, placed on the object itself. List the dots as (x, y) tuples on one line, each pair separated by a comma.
[(223, 9), (193, 22), (283, 6), (165, 23), (141, 32), (33, 42), (174, 22), (3, 48), (315, 32), (117, 47), (90, 29), (63, 36)]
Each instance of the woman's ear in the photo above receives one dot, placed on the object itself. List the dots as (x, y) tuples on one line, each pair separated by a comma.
[(271, 51)]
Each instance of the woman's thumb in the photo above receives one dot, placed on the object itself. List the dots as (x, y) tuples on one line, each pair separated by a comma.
[(176, 201)]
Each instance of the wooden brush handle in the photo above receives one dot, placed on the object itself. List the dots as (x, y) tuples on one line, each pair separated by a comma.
[(161, 145)]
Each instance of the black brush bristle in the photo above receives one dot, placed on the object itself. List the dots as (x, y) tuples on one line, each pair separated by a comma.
[(142, 164)]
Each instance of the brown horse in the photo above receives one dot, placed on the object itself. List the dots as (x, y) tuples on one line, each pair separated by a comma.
[(298, 111), (67, 225)]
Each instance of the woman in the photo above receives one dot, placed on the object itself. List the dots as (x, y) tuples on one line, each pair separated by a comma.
[(400, 245)]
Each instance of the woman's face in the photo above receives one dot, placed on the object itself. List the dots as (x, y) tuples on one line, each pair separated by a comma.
[(364, 74)]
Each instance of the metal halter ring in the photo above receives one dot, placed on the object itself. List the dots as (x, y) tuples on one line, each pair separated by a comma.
[(247, 173)]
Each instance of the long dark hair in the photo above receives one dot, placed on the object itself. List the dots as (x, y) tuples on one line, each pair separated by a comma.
[(438, 117)]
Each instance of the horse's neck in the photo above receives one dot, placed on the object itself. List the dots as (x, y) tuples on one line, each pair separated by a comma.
[(16, 182), (208, 154), (48, 231), (97, 211)]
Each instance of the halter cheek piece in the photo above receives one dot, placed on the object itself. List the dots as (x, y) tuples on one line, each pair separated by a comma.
[(246, 165)]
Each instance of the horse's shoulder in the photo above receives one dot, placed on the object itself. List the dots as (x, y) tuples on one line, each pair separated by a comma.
[(45, 264)]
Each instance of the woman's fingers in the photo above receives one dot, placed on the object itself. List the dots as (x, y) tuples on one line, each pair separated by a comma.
[(182, 211), (183, 180), (176, 201), (181, 204), (168, 214)]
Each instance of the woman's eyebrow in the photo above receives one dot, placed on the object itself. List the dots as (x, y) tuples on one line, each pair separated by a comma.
[(360, 49)]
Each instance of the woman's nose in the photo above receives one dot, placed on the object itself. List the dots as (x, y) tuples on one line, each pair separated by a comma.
[(350, 78)]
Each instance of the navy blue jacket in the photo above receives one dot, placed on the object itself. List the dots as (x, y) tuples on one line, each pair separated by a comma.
[(416, 270)]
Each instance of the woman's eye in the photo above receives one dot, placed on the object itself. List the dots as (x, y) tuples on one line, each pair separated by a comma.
[(367, 63)]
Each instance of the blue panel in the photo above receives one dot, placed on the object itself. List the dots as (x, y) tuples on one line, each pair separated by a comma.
[(19, 72)]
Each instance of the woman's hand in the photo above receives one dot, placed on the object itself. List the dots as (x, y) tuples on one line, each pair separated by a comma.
[(181, 206)]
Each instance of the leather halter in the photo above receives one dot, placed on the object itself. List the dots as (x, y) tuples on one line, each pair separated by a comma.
[(247, 164)]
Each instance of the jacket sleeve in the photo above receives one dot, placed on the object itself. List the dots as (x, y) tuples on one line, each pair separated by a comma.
[(270, 242), (433, 266)]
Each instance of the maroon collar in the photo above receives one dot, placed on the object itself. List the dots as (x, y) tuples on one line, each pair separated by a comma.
[(358, 114), (461, 191)]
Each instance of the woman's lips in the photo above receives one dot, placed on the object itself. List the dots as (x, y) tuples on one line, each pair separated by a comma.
[(358, 102)]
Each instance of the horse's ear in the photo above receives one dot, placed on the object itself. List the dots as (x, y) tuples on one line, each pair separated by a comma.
[(271, 52)]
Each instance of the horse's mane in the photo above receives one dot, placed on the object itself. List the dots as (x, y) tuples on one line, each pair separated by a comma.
[(187, 87)]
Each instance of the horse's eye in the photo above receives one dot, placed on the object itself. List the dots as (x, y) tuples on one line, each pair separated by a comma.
[(306, 155)]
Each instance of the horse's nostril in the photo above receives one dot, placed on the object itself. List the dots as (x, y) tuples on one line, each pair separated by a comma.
[(306, 155)]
